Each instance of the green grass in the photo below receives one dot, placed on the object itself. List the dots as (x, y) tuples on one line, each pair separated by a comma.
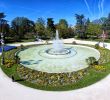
[(91, 77)]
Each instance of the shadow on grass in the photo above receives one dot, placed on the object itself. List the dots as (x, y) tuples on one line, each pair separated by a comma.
[(19, 80)]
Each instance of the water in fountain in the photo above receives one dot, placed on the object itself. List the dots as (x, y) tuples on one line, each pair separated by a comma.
[(57, 43), (58, 47)]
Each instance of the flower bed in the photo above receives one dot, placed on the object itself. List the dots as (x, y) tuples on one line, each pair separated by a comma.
[(58, 81), (51, 79)]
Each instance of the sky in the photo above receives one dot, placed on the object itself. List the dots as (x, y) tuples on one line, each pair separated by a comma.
[(56, 9)]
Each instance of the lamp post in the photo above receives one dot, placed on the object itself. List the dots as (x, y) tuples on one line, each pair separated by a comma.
[(2, 48), (103, 36)]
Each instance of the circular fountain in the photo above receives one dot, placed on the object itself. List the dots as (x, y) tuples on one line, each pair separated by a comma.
[(57, 58)]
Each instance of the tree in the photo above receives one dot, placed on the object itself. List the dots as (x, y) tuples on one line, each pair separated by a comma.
[(106, 24), (80, 26), (88, 22), (40, 28), (99, 21), (4, 26), (93, 30), (2, 30), (50, 27), (2, 21), (63, 28), (22, 25)]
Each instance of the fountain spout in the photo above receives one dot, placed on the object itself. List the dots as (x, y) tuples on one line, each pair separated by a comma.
[(57, 43), (58, 47), (57, 35)]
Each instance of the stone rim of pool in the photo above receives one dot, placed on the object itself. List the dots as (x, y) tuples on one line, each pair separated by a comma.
[(54, 63)]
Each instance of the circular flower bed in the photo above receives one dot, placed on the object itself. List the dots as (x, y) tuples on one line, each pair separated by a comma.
[(57, 81)]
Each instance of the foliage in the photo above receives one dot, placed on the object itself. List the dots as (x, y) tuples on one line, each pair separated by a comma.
[(64, 30), (22, 47), (50, 27), (97, 46), (49, 79), (40, 28), (22, 25), (4, 26), (80, 26), (91, 61), (93, 30), (62, 27), (106, 24), (104, 55)]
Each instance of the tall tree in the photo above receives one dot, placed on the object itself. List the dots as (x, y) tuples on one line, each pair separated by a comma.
[(93, 30), (22, 25), (106, 24), (40, 27), (63, 28), (80, 28), (4, 26), (50, 27), (2, 21), (88, 22)]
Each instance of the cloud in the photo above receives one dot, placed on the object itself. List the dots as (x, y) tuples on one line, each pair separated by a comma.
[(88, 7)]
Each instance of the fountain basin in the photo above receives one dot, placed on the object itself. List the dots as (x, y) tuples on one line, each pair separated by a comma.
[(65, 51), (38, 58)]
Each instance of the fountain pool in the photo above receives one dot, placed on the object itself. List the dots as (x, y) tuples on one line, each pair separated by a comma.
[(38, 59)]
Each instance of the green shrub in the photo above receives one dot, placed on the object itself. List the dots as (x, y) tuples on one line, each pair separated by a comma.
[(91, 61), (97, 46), (22, 47)]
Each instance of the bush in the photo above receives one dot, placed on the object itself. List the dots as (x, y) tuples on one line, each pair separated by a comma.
[(91, 61), (74, 42), (22, 47), (97, 46)]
